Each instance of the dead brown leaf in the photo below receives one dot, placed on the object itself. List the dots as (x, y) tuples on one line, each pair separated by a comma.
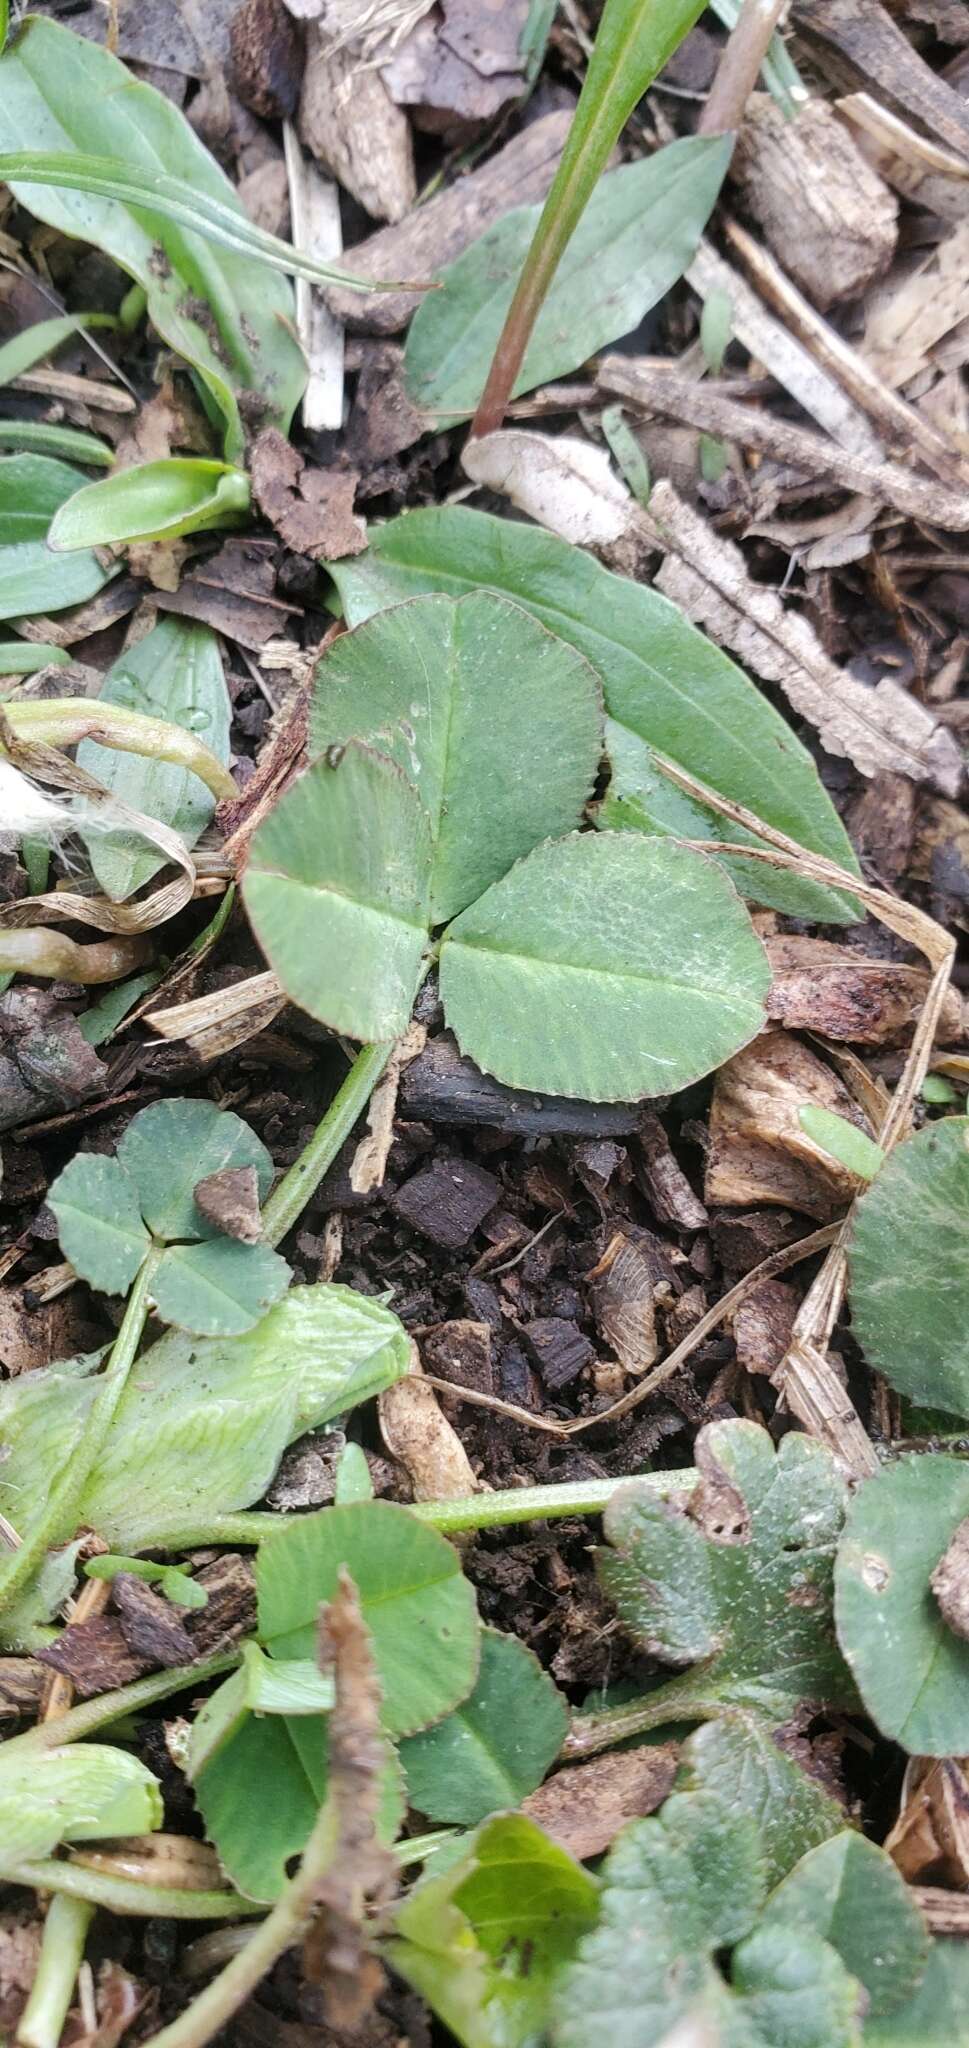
[(421, 1438), (622, 1298), (930, 1839), (230, 1200), (460, 68), (835, 990), (584, 1806), (311, 508), (763, 1324), (950, 1582), (758, 1151)]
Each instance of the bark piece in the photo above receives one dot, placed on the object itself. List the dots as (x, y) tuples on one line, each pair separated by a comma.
[(230, 1583), (930, 1838), (460, 68), (950, 1582), (763, 1324), (441, 1086), (22, 1684), (858, 43), (422, 1439), (233, 593), (663, 1180), (583, 1807), (913, 313), (820, 986), (150, 1624), (310, 508), (823, 209), (96, 1656), (433, 235), (758, 1151), (559, 1349), (45, 1063), (460, 1351), (266, 51), (230, 1200), (383, 421), (622, 1297), (448, 1201), (349, 122)]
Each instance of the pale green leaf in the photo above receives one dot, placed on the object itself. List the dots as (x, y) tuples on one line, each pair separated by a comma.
[(336, 887), (496, 1747), (495, 720), (849, 1892), (99, 1221), (218, 1289), (203, 1423), (32, 488), (754, 1614), (626, 452), (636, 236), (170, 1146), (937, 2016), (100, 1019), (912, 1671), (263, 1685), (41, 339), (605, 966), (25, 657), (174, 673), (662, 679), (220, 310), (39, 438), (841, 1140), (34, 580), (352, 1480), (737, 1757), (151, 501), (417, 1604), (75, 1794), (909, 1264)]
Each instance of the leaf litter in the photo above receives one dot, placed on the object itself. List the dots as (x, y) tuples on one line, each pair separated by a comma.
[(521, 866)]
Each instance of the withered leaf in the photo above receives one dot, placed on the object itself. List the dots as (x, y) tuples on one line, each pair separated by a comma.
[(583, 1807), (230, 1200), (310, 508)]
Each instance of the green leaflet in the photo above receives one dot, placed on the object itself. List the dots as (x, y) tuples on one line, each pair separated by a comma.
[(664, 682), (203, 1422), (32, 580), (75, 1794), (635, 238), (151, 501), (494, 1748), (174, 673), (841, 1140), (737, 1757), (60, 93), (937, 2015), (909, 1265)]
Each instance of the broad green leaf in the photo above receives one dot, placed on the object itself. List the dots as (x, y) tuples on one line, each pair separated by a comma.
[(909, 1265), (663, 680), (487, 1942), (220, 310), (911, 1669), (23, 350), (336, 888), (676, 1889), (174, 673), (25, 657), (39, 438), (75, 1794), (850, 1893), (151, 501), (260, 1795), (495, 720), (937, 2016), (170, 1146), (636, 237), (739, 1759), (99, 1221), (497, 1746), (415, 1600), (203, 1423), (32, 489), (34, 580), (755, 1613), (218, 1289), (841, 1140), (606, 966)]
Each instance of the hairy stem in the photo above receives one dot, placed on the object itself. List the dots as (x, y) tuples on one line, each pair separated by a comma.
[(63, 721), (59, 1518), (289, 1199), (675, 1701), (61, 1954), (126, 1895)]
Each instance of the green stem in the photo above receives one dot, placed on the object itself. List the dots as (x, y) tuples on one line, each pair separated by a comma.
[(92, 1715), (675, 1701), (283, 1927), (63, 721), (125, 1894), (289, 1199), (61, 1954), (475, 1511), (60, 1517)]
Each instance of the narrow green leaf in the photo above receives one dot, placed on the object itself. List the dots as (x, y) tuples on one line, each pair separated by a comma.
[(170, 1146), (417, 1604), (912, 1671), (336, 888), (32, 489), (910, 1270), (37, 436), (151, 501), (101, 1018), (23, 350), (174, 673), (636, 237), (33, 580), (495, 720), (626, 452), (352, 1481), (848, 1891), (76, 1794), (841, 1140), (496, 1747), (663, 681), (716, 322), (203, 1423), (605, 966), (99, 1221), (98, 155), (25, 657)]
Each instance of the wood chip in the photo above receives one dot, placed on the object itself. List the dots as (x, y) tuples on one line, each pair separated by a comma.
[(151, 1626), (440, 1086), (763, 1324), (950, 1582), (662, 1178), (758, 1151), (230, 1200), (622, 1299), (369, 1163), (233, 593), (460, 69), (930, 1838), (559, 1349), (858, 43), (822, 207), (820, 986), (95, 1656), (350, 124), (461, 1351), (584, 1806), (448, 1201)]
